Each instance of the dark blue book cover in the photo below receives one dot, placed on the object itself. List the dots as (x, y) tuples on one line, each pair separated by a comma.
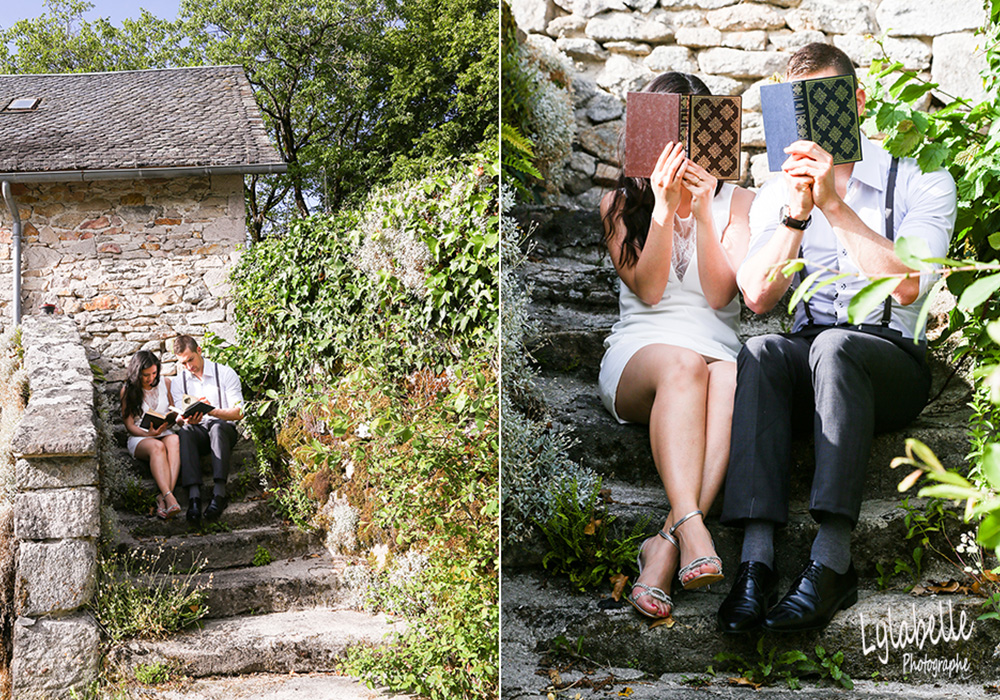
[(822, 110)]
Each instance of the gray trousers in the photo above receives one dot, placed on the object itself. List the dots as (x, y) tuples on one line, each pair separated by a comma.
[(846, 385), (213, 436)]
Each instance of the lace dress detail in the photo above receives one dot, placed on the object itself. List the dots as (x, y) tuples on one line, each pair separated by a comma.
[(684, 244)]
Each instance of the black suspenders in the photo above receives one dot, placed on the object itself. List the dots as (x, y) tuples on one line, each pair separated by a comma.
[(890, 233), (218, 385)]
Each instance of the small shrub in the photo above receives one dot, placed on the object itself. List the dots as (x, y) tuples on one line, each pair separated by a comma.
[(135, 597), (262, 557), (152, 673)]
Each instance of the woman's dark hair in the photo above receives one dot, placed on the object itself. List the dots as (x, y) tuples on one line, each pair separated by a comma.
[(132, 392), (633, 199)]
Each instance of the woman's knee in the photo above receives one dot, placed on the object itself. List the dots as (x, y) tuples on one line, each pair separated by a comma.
[(683, 367)]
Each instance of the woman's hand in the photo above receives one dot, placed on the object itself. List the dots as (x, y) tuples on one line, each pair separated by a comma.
[(156, 432), (702, 186), (666, 181)]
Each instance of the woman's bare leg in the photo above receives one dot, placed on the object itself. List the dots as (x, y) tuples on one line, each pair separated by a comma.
[(718, 424), (173, 445), (667, 387), (155, 451)]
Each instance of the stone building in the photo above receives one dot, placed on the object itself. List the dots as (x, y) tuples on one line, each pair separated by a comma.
[(614, 46), (129, 187)]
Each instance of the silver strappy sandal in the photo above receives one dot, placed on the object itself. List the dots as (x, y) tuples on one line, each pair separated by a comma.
[(651, 591), (701, 579)]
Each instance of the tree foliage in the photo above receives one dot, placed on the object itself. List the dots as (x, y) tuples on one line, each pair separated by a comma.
[(353, 93)]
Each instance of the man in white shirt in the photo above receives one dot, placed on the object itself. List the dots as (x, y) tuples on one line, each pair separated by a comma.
[(211, 433), (844, 382)]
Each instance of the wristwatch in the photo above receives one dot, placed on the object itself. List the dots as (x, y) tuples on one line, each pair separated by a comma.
[(797, 224)]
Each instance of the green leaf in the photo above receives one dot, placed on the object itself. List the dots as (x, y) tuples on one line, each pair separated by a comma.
[(912, 250), (947, 491), (915, 91), (989, 531), (978, 292), (865, 301), (932, 156), (925, 307), (991, 464), (801, 290)]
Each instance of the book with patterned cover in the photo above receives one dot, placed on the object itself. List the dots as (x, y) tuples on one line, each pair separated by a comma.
[(822, 110), (707, 125)]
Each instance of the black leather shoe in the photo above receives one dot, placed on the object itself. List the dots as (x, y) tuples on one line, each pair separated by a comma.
[(215, 507), (814, 598), (753, 592), (194, 511)]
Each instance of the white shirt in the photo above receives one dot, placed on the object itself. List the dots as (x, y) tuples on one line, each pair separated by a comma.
[(231, 394), (924, 207)]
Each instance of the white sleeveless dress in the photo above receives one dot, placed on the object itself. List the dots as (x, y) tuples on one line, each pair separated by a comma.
[(160, 405), (683, 317)]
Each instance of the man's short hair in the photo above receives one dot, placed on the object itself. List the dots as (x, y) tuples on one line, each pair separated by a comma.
[(815, 57), (185, 343)]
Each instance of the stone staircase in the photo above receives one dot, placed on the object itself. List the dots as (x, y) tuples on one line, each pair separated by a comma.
[(575, 302), (289, 616)]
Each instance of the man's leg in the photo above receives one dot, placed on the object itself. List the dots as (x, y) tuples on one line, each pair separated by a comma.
[(863, 384), (222, 437), (194, 441), (773, 386)]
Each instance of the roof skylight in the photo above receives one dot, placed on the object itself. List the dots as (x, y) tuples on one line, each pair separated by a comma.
[(22, 104)]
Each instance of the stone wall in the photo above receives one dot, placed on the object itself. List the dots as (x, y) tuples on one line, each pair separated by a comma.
[(133, 262), (56, 516), (618, 45)]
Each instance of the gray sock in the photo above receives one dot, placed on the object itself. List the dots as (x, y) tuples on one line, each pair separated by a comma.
[(219, 489), (832, 546), (194, 491), (758, 542)]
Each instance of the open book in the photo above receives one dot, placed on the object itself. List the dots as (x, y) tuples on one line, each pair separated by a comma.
[(707, 125), (821, 110), (189, 406)]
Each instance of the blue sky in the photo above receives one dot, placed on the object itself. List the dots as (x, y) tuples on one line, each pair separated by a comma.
[(115, 10)]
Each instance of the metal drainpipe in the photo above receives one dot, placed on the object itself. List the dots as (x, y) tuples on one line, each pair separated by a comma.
[(16, 249)]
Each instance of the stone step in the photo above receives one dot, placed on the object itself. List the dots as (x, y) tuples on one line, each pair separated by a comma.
[(309, 581), (302, 641), (878, 538), (570, 282), (267, 686), (220, 550), (239, 515), (563, 232), (622, 451), (569, 340), (536, 611)]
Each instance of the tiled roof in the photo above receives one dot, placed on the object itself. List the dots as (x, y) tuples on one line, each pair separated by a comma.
[(173, 118)]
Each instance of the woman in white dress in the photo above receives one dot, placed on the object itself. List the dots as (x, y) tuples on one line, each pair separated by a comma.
[(145, 390), (676, 240)]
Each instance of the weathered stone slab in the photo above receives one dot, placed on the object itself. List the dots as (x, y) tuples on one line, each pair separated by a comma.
[(54, 473), (908, 18), (671, 58), (832, 17), (743, 17), (619, 26), (628, 47), (54, 513), (755, 40), (581, 48), (531, 15), (698, 37), (55, 577), (914, 53), (54, 656), (784, 40), (566, 26), (753, 130), (42, 433), (742, 64), (601, 140), (603, 107), (958, 61)]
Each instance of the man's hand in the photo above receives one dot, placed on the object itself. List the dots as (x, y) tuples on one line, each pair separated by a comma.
[(809, 175)]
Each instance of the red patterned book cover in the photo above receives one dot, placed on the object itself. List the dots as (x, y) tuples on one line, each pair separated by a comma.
[(707, 125)]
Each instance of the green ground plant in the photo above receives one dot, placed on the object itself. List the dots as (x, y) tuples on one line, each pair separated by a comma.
[(582, 542), (262, 557), (138, 597), (152, 673), (770, 667)]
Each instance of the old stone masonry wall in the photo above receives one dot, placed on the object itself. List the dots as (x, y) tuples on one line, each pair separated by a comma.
[(617, 46), (134, 263), (56, 516)]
